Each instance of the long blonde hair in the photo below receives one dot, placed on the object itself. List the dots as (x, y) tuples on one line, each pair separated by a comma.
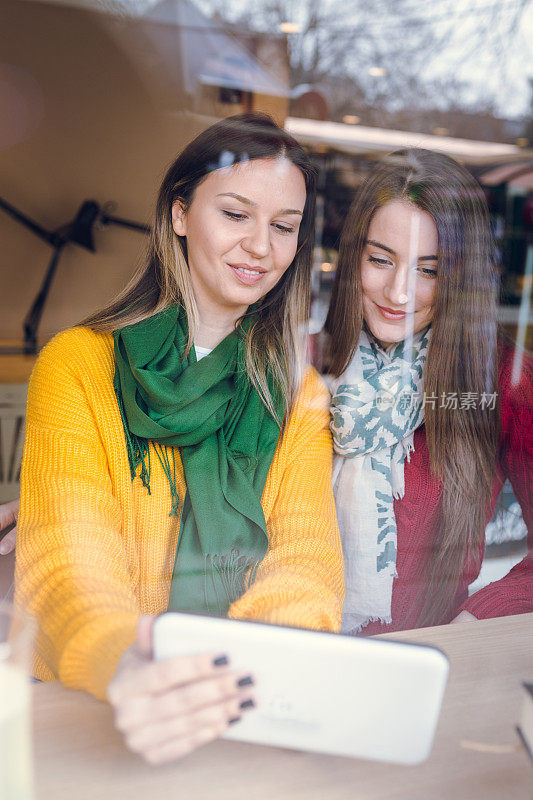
[(462, 354), (275, 344)]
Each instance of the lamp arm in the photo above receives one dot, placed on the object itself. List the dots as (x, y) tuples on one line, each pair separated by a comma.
[(108, 219), (51, 238), (33, 317)]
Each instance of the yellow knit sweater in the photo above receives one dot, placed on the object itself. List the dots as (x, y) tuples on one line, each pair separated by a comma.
[(95, 550)]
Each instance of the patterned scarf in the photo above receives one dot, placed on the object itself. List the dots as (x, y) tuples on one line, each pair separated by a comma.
[(376, 407), (227, 438)]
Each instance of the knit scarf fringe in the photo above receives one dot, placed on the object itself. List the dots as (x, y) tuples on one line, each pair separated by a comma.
[(231, 569), (139, 453)]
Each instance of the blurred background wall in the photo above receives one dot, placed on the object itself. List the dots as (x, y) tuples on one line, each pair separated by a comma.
[(95, 106)]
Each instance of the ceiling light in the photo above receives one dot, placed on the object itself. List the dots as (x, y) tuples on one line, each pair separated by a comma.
[(290, 27)]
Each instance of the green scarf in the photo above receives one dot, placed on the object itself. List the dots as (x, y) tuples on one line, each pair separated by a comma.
[(227, 438)]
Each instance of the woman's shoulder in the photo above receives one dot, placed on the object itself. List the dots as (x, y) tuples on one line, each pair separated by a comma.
[(313, 394), (74, 371), (77, 350), (310, 409), (515, 369), (70, 341), (75, 360), (308, 422), (515, 386)]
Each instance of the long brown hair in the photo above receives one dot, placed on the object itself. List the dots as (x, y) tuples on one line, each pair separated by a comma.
[(275, 344), (462, 353)]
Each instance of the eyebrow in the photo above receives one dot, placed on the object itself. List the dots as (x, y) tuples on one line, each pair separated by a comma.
[(251, 203), (393, 252)]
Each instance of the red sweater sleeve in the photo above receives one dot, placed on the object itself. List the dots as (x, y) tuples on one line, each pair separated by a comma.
[(513, 594)]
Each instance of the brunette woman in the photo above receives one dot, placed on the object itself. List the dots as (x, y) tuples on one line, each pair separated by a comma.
[(431, 410), (177, 452)]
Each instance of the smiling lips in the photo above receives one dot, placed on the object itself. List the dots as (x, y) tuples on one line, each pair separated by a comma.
[(390, 313), (247, 274)]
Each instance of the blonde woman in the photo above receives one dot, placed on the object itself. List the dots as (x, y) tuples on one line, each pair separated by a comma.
[(177, 452)]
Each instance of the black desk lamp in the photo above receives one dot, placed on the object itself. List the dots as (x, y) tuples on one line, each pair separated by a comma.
[(79, 231)]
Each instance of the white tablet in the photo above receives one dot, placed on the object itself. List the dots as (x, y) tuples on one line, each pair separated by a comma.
[(325, 692)]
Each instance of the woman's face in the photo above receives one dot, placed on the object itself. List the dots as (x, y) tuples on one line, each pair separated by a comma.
[(242, 232), (399, 271)]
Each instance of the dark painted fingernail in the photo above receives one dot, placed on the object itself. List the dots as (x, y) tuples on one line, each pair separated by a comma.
[(247, 704), (234, 720), (247, 681), (221, 661)]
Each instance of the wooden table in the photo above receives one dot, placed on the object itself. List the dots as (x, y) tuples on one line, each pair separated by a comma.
[(476, 756)]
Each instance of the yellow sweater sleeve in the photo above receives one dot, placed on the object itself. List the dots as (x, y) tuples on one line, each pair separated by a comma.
[(300, 582), (71, 566)]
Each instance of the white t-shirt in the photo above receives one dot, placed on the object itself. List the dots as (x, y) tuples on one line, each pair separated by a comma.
[(201, 352)]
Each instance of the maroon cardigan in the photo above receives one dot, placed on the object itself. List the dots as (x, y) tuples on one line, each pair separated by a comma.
[(418, 513)]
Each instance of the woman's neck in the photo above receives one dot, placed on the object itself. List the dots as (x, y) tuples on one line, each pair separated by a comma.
[(213, 326), (387, 346)]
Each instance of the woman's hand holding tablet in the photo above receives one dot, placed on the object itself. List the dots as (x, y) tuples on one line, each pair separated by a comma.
[(166, 709)]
